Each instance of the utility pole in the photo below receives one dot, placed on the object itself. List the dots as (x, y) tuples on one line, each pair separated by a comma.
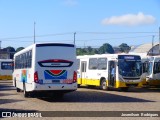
[(152, 44), (34, 32), (74, 38)]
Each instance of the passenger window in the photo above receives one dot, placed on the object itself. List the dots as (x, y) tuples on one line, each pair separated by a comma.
[(93, 63), (156, 67), (102, 64)]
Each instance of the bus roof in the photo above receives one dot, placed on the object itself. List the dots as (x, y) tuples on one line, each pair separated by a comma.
[(44, 45), (5, 60), (113, 56)]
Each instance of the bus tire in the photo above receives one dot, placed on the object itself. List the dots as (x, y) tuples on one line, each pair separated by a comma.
[(25, 93), (103, 85), (15, 85), (17, 89), (78, 85)]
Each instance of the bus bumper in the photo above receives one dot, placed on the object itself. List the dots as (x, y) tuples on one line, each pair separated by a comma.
[(48, 87), (124, 84)]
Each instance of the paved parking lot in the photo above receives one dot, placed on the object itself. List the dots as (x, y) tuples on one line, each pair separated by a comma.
[(83, 99)]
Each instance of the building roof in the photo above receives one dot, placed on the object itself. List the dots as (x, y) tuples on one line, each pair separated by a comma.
[(144, 48)]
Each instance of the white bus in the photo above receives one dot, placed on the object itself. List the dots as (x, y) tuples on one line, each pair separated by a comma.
[(110, 70), (153, 72), (145, 64), (6, 69), (46, 67)]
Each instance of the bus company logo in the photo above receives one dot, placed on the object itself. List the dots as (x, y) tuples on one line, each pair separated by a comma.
[(24, 75), (129, 57), (6, 114), (55, 74)]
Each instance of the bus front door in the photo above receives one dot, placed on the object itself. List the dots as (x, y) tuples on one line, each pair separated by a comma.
[(83, 72), (111, 73)]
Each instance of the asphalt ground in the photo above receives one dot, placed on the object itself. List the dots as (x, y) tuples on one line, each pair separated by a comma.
[(83, 103)]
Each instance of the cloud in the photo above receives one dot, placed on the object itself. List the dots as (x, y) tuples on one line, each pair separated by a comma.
[(70, 2), (130, 20)]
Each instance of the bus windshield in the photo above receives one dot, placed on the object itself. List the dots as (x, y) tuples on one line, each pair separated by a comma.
[(130, 68), (150, 66)]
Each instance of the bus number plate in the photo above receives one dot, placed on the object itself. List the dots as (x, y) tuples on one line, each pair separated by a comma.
[(55, 81)]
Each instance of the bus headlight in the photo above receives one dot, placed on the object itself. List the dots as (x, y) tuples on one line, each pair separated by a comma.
[(148, 79)]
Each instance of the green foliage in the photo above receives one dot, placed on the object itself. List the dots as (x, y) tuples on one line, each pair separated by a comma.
[(9, 49), (124, 47), (19, 49), (106, 48), (86, 51)]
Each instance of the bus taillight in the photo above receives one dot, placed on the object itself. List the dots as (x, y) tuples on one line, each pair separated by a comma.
[(75, 76), (36, 77)]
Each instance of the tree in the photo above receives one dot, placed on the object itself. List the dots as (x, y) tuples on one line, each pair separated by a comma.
[(79, 51), (89, 49), (106, 48), (19, 49), (9, 49), (124, 47)]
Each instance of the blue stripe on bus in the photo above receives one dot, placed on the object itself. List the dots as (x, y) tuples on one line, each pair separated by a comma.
[(47, 75)]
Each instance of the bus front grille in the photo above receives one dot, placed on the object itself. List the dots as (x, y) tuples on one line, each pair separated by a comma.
[(131, 78)]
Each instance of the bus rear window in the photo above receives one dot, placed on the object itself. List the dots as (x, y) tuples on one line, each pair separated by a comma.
[(55, 63), (7, 65)]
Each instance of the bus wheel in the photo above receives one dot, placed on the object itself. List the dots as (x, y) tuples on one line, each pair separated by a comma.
[(125, 89), (17, 89), (78, 85), (103, 85), (15, 83), (26, 94)]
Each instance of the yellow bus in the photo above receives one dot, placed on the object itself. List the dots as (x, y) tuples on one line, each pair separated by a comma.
[(6, 69), (110, 70)]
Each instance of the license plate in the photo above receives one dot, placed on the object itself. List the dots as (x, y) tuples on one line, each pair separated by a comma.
[(55, 81)]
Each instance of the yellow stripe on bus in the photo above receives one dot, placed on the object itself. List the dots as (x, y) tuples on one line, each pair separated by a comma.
[(97, 83), (5, 77), (154, 82)]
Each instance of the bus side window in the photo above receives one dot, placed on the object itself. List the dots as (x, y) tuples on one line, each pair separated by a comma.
[(145, 67), (102, 63), (21, 61), (25, 60), (156, 67), (93, 63), (30, 59), (83, 67)]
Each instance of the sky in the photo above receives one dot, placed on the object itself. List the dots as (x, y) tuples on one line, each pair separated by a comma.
[(94, 22)]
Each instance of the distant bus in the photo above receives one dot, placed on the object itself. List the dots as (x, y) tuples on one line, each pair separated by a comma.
[(145, 65), (46, 67), (153, 71), (110, 71), (6, 69)]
